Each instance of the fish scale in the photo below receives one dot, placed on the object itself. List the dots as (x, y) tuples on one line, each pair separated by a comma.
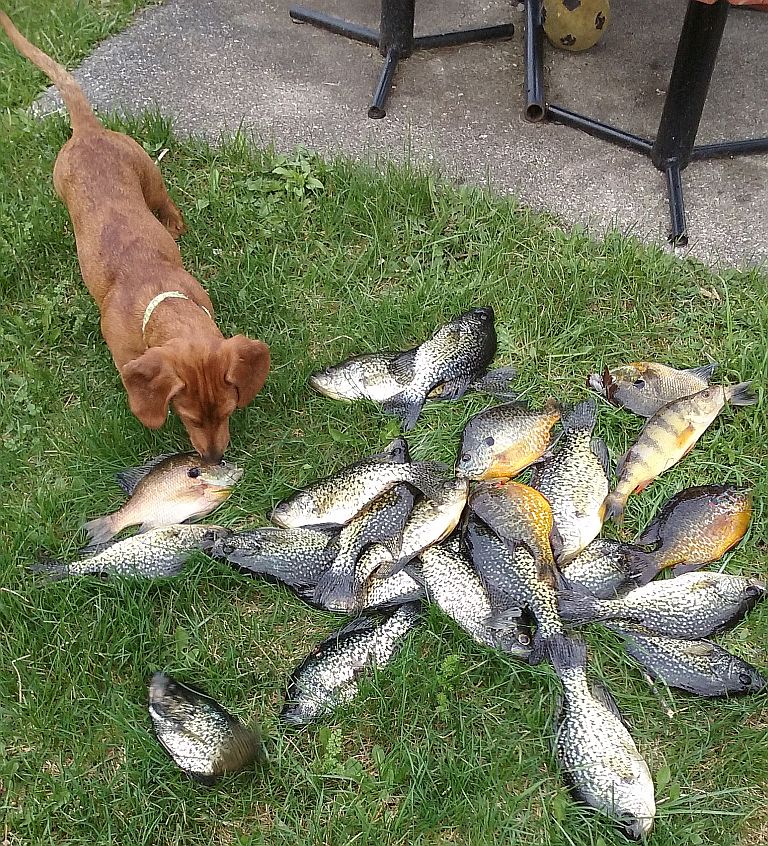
[(328, 677), (604, 568), (381, 521), (154, 554), (575, 482), (691, 606), (201, 736), (696, 666), (596, 751), (453, 584)]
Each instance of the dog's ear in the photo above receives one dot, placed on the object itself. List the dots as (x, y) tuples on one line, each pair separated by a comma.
[(246, 364), (151, 381)]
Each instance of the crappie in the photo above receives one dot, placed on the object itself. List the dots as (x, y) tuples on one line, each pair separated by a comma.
[(454, 586), (380, 522), (328, 677), (458, 353), (503, 440), (336, 499), (667, 437), (378, 377), (394, 590), (596, 752), (575, 482), (691, 606), (695, 527), (201, 737), (645, 386), (169, 489), (510, 569), (432, 520), (696, 666), (605, 568), (295, 557), (151, 555)]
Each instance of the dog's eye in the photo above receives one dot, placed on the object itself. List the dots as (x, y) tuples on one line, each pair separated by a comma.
[(193, 472)]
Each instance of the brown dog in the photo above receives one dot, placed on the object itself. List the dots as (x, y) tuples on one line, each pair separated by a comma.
[(155, 317)]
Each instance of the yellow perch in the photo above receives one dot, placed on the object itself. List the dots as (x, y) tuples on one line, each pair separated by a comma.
[(667, 437)]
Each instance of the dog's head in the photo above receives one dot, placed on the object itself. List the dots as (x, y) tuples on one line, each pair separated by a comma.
[(203, 381)]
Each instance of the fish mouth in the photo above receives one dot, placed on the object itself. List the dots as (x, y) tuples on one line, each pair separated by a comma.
[(158, 685)]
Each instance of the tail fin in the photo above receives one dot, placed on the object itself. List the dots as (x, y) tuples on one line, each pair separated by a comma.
[(571, 654), (740, 394), (100, 529), (497, 383), (406, 410), (581, 417), (613, 508), (80, 111), (335, 590), (51, 568), (553, 648), (642, 567), (577, 608)]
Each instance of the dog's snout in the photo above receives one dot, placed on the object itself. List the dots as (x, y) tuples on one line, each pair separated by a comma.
[(212, 456)]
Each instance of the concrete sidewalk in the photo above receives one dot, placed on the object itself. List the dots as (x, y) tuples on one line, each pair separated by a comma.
[(214, 65)]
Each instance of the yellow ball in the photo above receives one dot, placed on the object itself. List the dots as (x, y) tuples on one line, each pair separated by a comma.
[(575, 24)]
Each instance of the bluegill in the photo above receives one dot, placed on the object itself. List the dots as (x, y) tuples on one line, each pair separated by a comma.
[(155, 554), (503, 440), (199, 734), (575, 482), (596, 752), (696, 666), (667, 437), (458, 353), (329, 676), (644, 387), (694, 527), (693, 605), (169, 489)]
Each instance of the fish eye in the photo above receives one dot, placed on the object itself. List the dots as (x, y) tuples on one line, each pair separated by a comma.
[(753, 590), (466, 457), (489, 441), (194, 472), (222, 463), (639, 383), (523, 639), (745, 680)]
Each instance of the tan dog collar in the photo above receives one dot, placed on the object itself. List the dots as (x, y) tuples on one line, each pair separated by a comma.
[(155, 302)]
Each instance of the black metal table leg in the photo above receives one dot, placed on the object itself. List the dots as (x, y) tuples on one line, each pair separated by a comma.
[(674, 146), (395, 39)]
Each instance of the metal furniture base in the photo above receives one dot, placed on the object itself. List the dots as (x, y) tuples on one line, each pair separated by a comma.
[(395, 39), (674, 146)]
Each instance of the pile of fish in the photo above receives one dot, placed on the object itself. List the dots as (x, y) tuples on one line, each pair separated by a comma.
[(516, 565)]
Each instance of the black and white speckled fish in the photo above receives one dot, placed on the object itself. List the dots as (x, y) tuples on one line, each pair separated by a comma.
[(696, 666), (458, 353), (329, 676), (596, 752), (575, 482), (155, 554), (605, 568), (201, 736), (454, 586), (690, 606), (295, 557)]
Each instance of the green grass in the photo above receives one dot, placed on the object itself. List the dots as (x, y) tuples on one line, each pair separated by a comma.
[(450, 744)]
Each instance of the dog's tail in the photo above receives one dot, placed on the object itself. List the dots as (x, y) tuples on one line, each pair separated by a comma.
[(80, 111)]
